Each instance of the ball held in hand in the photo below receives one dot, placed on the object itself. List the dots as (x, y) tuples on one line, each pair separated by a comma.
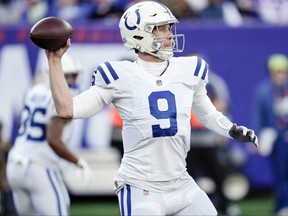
[(51, 33)]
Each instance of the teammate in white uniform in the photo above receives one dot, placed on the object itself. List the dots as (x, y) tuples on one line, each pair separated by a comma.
[(154, 97), (33, 162)]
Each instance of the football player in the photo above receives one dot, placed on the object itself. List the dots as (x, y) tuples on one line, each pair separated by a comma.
[(33, 169), (154, 96)]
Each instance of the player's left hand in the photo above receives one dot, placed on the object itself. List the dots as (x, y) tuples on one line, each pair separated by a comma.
[(243, 134), (84, 170)]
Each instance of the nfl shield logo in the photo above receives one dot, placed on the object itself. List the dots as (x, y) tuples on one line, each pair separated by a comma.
[(159, 82), (146, 192)]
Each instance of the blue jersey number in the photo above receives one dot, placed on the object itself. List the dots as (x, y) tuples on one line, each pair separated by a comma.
[(170, 113), (29, 120)]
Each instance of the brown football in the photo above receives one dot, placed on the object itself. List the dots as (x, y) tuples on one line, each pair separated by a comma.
[(51, 33)]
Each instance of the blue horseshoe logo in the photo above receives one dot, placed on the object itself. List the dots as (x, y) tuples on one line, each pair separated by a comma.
[(138, 21)]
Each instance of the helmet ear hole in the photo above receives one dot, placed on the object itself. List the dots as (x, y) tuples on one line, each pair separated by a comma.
[(138, 46)]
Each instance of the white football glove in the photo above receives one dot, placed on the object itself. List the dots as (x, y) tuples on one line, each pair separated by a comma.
[(243, 134), (83, 172)]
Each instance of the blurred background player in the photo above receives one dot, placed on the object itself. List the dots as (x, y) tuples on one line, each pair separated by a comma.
[(270, 119), (33, 169)]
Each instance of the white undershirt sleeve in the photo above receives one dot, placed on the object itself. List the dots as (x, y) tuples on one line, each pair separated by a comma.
[(90, 102), (207, 114)]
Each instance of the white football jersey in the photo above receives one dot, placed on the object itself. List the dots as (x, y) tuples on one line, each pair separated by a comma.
[(155, 111), (31, 140)]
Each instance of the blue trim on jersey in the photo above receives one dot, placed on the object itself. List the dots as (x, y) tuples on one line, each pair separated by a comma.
[(204, 72), (129, 200), (55, 190), (111, 70), (122, 201), (198, 66), (104, 76)]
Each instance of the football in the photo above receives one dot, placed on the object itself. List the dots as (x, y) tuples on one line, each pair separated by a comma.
[(51, 33)]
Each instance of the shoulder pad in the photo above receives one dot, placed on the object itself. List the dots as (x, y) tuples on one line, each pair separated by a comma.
[(201, 68), (107, 72)]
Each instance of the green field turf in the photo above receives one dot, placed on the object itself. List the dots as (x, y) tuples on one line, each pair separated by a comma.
[(94, 209), (259, 206)]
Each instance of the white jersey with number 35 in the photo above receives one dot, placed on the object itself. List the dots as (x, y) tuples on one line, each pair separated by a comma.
[(31, 140)]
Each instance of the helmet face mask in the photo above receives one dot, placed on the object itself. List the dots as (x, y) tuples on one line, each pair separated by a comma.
[(71, 80), (140, 21), (162, 50)]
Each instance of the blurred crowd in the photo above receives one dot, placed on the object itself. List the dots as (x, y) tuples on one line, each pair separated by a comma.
[(231, 12)]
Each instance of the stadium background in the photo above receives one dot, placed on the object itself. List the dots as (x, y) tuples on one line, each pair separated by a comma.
[(238, 54)]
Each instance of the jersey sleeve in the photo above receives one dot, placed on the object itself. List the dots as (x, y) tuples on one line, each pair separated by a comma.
[(202, 106), (104, 76), (200, 69), (100, 94)]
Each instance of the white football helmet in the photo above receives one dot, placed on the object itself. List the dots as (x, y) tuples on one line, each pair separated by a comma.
[(71, 68), (70, 65), (138, 22)]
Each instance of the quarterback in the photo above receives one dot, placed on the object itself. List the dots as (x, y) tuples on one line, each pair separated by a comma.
[(154, 96)]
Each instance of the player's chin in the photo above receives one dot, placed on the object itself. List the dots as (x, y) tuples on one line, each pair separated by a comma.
[(169, 46), (169, 49)]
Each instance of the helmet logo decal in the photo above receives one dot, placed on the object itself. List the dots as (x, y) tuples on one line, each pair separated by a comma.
[(138, 21)]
